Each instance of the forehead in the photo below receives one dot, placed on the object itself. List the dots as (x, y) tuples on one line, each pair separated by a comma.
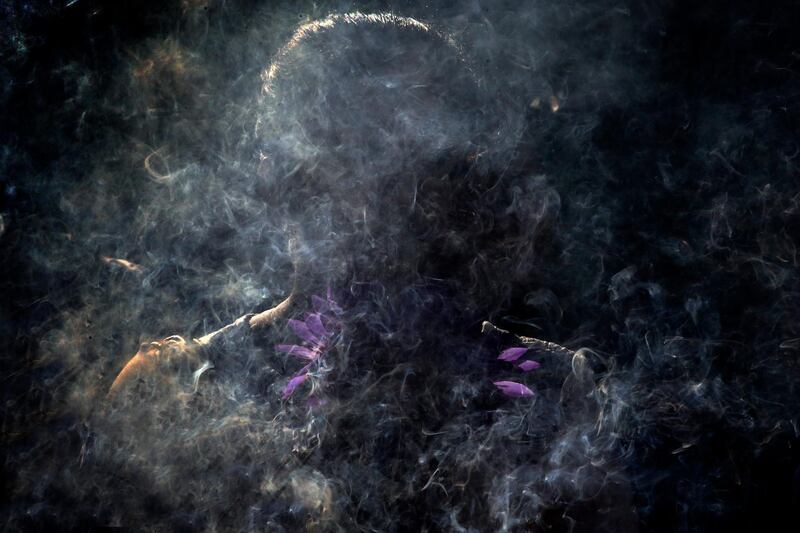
[(359, 94), (358, 45)]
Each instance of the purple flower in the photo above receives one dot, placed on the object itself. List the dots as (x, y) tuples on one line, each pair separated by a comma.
[(513, 389), (325, 305), (527, 366), (293, 384), (302, 330), (511, 354), (315, 327), (299, 351), (316, 332)]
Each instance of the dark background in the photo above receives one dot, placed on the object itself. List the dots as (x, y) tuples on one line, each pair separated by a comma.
[(675, 152)]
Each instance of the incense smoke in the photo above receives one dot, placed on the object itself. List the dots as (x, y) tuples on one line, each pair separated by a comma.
[(618, 181)]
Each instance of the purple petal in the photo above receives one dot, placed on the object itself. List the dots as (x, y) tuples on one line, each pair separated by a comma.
[(314, 324), (323, 305), (299, 351), (527, 366), (302, 331), (511, 354), (319, 304), (293, 384), (513, 389)]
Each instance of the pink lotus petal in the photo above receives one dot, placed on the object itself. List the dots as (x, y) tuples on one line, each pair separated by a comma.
[(293, 384), (314, 324), (527, 366), (302, 331), (298, 351), (513, 389), (511, 354)]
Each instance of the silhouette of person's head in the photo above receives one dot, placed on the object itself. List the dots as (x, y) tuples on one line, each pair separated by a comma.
[(370, 129)]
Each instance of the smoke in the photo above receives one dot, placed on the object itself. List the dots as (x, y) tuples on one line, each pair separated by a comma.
[(619, 179)]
